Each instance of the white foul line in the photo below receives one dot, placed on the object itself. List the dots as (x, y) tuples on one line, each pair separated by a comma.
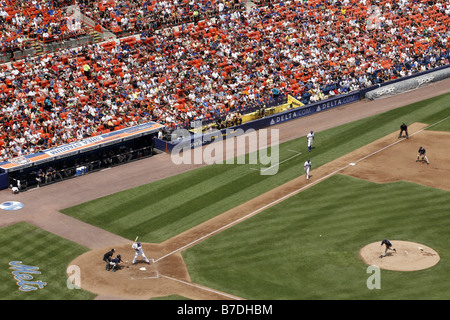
[(291, 194), (201, 287)]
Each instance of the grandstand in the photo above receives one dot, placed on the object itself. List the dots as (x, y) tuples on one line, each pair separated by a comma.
[(79, 69)]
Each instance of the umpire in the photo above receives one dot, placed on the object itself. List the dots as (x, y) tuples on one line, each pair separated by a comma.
[(403, 128), (107, 257)]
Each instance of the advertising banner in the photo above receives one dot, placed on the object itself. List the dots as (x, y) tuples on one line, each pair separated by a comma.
[(199, 140), (412, 83)]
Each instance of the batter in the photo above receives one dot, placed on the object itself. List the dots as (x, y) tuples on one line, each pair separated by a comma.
[(137, 246)]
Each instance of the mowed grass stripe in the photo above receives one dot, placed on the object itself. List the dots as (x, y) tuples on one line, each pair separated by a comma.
[(160, 194), (163, 203), (135, 199), (188, 213)]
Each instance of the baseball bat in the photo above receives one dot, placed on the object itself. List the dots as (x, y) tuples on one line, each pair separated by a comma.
[(135, 240)]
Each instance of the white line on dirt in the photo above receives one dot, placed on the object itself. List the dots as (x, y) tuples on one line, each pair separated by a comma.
[(202, 288), (398, 141)]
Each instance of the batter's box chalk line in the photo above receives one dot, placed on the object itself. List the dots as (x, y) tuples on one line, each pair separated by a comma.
[(153, 275)]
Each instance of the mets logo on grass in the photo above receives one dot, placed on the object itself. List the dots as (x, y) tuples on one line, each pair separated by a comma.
[(24, 276)]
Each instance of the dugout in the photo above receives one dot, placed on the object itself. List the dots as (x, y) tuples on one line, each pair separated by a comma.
[(80, 157)]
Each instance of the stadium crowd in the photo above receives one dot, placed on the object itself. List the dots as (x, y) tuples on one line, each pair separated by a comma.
[(208, 67)]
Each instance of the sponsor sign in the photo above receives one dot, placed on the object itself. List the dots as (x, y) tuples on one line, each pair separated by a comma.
[(199, 140), (313, 108), (409, 84)]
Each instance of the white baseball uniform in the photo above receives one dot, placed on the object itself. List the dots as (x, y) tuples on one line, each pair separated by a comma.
[(307, 168), (310, 138), (139, 251)]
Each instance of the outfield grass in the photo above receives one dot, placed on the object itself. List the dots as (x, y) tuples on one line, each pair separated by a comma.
[(38, 248)]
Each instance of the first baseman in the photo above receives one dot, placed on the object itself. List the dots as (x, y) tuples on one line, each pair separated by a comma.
[(307, 168), (137, 246), (388, 245)]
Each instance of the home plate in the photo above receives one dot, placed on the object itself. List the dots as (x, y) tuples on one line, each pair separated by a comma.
[(142, 269)]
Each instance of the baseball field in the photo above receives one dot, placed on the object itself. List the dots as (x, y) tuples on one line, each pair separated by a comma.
[(224, 231)]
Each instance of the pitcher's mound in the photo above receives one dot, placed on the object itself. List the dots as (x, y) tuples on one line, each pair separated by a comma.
[(409, 256)]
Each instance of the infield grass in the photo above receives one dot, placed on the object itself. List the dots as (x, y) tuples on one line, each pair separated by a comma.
[(279, 254)]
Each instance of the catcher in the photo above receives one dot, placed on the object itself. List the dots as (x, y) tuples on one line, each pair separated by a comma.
[(423, 154), (137, 246), (115, 263)]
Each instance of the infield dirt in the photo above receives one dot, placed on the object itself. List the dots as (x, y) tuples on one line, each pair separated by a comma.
[(408, 256)]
